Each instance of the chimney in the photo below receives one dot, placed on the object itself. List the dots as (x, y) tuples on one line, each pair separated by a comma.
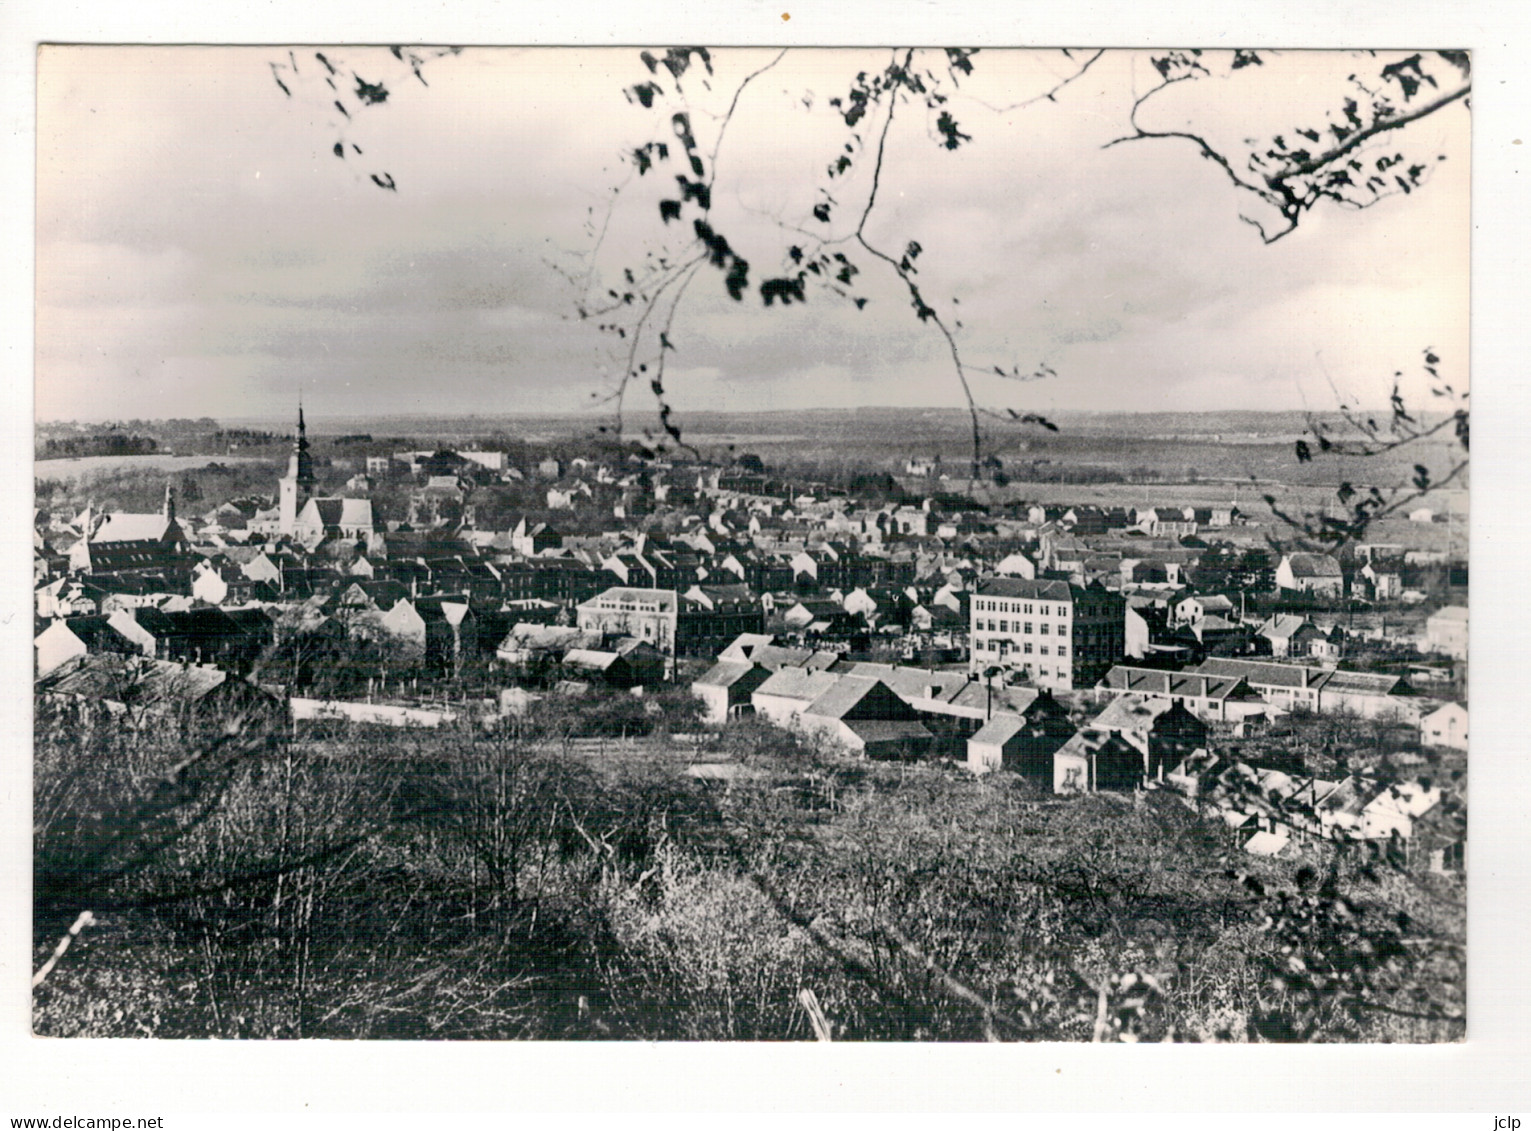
[(169, 508)]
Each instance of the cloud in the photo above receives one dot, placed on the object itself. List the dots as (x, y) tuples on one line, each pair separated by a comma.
[(187, 210)]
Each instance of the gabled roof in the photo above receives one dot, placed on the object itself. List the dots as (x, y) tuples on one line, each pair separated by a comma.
[(121, 527), (850, 692), (796, 683), (1313, 565), (1129, 712), (745, 645), (1088, 741), (1283, 626), (999, 730), (589, 659), (725, 673), (95, 632), (342, 512)]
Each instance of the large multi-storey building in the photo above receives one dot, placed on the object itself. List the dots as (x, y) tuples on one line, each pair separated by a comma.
[(1063, 636), (649, 615)]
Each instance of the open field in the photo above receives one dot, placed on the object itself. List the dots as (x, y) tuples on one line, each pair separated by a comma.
[(68, 470)]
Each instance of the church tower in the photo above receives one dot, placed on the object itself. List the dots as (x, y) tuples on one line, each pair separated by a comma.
[(295, 488)]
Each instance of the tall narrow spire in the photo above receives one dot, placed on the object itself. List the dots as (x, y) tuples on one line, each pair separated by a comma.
[(301, 466)]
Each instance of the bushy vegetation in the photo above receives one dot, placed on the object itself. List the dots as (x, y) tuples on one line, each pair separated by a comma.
[(496, 883)]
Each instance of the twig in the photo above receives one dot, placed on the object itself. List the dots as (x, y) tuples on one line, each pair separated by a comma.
[(1046, 95), (810, 1003), (84, 920)]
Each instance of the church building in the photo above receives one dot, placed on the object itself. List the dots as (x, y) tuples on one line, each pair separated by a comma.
[(306, 518)]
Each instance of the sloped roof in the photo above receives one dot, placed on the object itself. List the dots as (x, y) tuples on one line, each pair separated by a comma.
[(532, 636), (777, 656), (1313, 565), (796, 683), (1257, 673), (136, 679), (745, 645), (1409, 798), (918, 684), (1267, 843), (887, 730), (725, 673), (998, 730), (848, 693), (95, 632), (1365, 683), (1282, 626), (122, 527), (1090, 741), (1196, 684), (589, 659), (1129, 712), (1023, 588)]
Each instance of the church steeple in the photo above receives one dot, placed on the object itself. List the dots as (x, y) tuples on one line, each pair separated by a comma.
[(296, 487), (301, 466)]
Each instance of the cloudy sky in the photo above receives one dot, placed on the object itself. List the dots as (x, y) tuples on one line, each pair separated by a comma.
[(202, 251)]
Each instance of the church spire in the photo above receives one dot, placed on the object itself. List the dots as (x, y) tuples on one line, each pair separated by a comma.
[(301, 466)]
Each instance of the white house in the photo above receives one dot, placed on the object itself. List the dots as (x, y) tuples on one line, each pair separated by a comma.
[(1017, 565), (1311, 573), (1445, 726), (1446, 631)]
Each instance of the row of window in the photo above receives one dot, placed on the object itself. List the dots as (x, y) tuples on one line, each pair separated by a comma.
[(1004, 646), (1024, 628), (1028, 608), (1025, 608)]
